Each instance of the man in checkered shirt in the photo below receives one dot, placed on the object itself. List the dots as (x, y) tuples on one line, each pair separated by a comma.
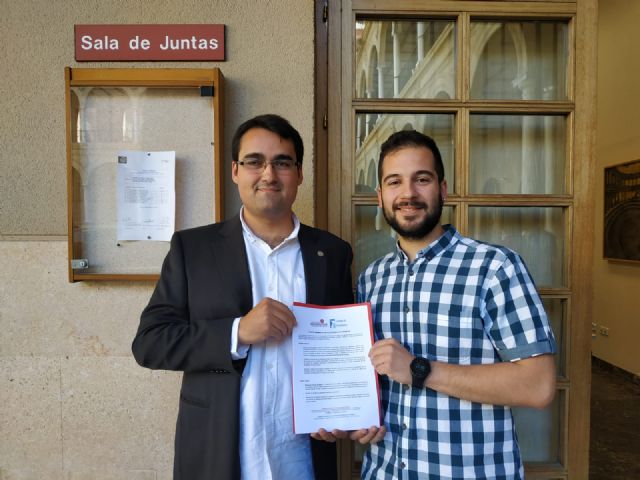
[(461, 335)]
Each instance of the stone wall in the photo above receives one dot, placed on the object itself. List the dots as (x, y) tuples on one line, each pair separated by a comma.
[(73, 403)]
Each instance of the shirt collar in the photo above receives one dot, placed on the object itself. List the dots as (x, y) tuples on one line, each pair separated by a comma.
[(252, 237), (435, 248)]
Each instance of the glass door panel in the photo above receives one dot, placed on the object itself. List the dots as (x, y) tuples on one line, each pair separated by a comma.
[(536, 233), (539, 431), (405, 59), (374, 238), (556, 309), (519, 60), (374, 128), (517, 154)]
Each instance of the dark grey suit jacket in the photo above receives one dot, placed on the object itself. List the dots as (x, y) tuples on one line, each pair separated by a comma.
[(203, 287)]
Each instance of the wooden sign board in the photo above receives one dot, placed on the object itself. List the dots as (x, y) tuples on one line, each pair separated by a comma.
[(117, 43)]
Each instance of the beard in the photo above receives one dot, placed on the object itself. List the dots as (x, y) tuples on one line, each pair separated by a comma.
[(422, 229)]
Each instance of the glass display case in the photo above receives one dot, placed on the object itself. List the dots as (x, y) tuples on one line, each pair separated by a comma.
[(142, 110)]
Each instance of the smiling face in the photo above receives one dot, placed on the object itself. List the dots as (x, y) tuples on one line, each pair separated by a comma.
[(410, 195), (266, 194)]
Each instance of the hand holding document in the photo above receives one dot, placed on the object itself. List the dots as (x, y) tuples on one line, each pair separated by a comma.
[(334, 384)]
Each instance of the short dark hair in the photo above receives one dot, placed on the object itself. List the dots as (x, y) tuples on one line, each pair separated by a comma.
[(273, 123), (410, 138)]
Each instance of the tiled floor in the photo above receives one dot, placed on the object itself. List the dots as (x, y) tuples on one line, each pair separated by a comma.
[(614, 452)]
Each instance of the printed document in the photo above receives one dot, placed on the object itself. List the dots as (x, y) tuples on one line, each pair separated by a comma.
[(334, 384), (146, 195)]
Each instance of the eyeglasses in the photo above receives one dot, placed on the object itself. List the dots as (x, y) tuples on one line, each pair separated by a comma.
[(259, 164)]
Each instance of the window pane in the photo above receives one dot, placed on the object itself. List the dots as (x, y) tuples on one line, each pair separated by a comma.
[(539, 431), (536, 233), (519, 60), (373, 129), (517, 154), (556, 312), (405, 59), (374, 238)]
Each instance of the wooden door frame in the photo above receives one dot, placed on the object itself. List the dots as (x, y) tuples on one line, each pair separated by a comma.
[(321, 92), (579, 355), (330, 136)]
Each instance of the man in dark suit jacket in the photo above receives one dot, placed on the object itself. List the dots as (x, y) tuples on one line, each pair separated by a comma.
[(203, 309)]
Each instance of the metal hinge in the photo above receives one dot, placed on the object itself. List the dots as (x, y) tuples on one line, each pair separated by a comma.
[(325, 121), (79, 263), (325, 12)]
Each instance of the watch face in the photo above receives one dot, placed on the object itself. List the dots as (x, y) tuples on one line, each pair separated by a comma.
[(420, 367), (420, 370)]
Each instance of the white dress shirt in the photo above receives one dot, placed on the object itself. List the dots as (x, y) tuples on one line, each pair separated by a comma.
[(269, 450)]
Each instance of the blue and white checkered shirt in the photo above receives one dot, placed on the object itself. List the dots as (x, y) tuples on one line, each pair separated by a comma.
[(464, 302)]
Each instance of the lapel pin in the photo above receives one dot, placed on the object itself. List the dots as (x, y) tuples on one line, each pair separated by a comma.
[(320, 253)]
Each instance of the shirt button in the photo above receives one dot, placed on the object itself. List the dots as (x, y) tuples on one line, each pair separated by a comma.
[(411, 272), (404, 426), (406, 309), (402, 465)]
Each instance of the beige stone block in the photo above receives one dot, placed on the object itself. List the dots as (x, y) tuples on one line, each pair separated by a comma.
[(117, 416), (30, 418), (29, 474), (165, 475), (113, 475), (43, 314)]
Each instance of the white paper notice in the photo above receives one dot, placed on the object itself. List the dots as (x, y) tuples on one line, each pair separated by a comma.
[(146, 195), (334, 383)]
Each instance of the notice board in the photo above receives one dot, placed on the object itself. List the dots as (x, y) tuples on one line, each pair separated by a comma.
[(143, 110)]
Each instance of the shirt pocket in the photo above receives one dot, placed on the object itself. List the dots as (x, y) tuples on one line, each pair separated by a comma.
[(452, 335)]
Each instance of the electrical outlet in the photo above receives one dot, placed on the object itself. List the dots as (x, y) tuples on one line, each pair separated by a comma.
[(604, 331)]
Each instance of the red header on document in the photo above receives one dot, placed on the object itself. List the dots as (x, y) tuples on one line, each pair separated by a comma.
[(192, 42)]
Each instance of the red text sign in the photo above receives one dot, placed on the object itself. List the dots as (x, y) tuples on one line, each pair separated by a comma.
[(149, 42)]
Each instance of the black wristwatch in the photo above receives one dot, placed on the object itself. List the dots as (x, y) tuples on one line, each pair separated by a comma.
[(420, 370)]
